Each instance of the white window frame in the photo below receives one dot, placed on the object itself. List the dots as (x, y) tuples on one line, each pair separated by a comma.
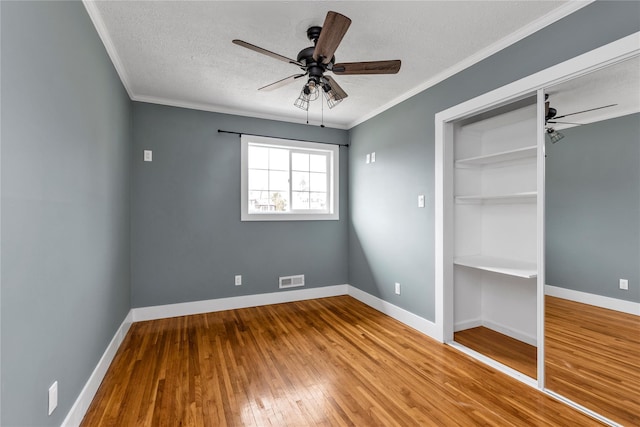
[(333, 195)]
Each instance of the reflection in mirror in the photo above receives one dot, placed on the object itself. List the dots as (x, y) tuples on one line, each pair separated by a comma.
[(592, 231)]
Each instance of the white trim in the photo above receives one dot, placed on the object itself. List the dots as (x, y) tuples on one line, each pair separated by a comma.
[(101, 28), (82, 403), (617, 51), (208, 306), (541, 236), (504, 330), (403, 316), (525, 31), (332, 153), (603, 56), (620, 305), (232, 303), (236, 112), (581, 408), (79, 408), (529, 29)]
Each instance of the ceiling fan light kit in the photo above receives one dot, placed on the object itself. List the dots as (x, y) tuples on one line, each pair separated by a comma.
[(319, 59), (551, 118)]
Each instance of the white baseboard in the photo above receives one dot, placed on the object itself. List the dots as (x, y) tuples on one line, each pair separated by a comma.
[(232, 303), (79, 408), (412, 320), (504, 330), (467, 324), (592, 299), (510, 332)]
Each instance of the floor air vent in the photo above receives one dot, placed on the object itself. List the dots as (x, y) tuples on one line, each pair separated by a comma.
[(291, 281)]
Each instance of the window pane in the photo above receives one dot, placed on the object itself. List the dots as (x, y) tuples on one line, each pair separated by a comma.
[(258, 201), (300, 200), (279, 181), (318, 182), (279, 201), (318, 200), (278, 159), (300, 181), (258, 157), (258, 179), (299, 162), (318, 163)]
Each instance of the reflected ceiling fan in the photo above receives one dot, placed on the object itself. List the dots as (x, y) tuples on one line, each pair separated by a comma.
[(316, 60), (551, 118)]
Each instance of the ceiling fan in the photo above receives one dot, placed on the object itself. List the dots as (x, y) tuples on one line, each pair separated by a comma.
[(551, 118), (316, 60)]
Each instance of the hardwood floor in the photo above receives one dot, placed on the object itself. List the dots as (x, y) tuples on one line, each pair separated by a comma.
[(510, 352), (325, 362), (593, 358)]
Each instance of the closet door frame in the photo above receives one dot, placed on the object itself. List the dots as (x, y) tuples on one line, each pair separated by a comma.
[(604, 56)]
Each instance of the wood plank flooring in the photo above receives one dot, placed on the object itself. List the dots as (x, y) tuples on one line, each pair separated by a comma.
[(325, 362), (593, 358), (510, 352)]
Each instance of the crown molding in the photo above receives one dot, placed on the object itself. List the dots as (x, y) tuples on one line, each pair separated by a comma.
[(540, 23)]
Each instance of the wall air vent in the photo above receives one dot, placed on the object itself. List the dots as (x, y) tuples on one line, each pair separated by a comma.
[(291, 281)]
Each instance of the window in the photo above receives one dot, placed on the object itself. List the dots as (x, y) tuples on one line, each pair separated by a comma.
[(288, 180)]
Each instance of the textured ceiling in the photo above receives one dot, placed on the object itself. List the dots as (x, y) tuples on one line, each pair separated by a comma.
[(180, 52)]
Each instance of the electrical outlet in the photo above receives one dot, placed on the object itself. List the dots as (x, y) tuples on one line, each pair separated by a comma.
[(397, 288), (238, 280), (624, 284), (148, 155), (53, 397), (367, 158), (373, 157), (421, 201)]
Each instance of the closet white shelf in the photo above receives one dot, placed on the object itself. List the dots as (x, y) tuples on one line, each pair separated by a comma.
[(510, 267), (527, 196), (503, 156)]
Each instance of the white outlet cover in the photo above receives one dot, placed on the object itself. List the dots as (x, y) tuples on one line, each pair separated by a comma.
[(397, 288), (148, 155), (421, 201), (238, 280), (624, 284), (367, 158), (53, 397), (373, 157)]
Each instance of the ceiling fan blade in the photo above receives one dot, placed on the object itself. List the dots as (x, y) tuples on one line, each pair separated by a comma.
[(340, 93), (266, 52), (585, 111), (373, 67), (333, 30), (280, 83)]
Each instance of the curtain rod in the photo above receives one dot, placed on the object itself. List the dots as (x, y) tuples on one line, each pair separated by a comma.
[(278, 137)]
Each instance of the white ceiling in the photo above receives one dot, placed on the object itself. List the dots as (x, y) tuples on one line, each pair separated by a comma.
[(180, 52)]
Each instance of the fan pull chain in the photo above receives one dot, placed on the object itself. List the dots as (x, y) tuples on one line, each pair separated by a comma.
[(322, 113), (307, 115)]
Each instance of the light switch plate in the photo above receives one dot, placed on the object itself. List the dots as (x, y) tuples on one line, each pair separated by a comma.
[(367, 158), (421, 201), (373, 157), (148, 155), (624, 284), (53, 397)]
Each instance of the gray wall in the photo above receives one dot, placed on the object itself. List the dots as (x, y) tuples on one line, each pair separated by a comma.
[(187, 238), (390, 238), (65, 206), (593, 208)]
